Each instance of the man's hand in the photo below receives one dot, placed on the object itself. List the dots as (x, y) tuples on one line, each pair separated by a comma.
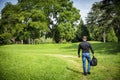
[(78, 56)]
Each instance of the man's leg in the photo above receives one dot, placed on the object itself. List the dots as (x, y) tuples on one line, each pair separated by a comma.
[(84, 63), (88, 59)]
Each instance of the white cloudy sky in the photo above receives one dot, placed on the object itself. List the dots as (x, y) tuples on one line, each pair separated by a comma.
[(83, 5)]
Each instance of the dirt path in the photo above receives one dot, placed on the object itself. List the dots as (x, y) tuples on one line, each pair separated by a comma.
[(69, 58)]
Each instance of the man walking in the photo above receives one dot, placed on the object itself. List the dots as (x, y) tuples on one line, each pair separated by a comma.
[(85, 46)]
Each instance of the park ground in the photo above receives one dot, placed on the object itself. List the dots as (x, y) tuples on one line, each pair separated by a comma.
[(57, 62)]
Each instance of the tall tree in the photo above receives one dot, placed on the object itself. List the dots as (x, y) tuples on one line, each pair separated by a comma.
[(96, 30), (29, 20), (101, 18), (112, 9), (8, 21), (81, 31), (66, 31)]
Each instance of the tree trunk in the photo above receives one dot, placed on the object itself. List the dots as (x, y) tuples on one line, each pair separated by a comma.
[(53, 36), (32, 41), (21, 41), (104, 36), (29, 40)]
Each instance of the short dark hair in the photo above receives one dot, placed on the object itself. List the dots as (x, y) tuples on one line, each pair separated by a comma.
[(84, 37)]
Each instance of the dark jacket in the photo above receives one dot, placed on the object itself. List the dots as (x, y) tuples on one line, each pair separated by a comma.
[(85, 46)]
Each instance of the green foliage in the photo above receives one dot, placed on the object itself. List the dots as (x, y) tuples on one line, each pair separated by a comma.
[(38, 15), (5, 38), (66, 31), (95, 29), (63, 12), (29, 20), (81, 31), (103, 16), (111, 37)]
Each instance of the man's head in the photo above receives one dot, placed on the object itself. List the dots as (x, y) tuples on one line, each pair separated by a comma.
[(84, 38)]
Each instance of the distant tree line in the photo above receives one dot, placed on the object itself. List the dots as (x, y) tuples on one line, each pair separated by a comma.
[(31, 20)]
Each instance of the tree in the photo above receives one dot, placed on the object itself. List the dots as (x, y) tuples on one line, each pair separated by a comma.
[(81, 31), (29, 20), (23, 26), (114, 9), (66, 31), (102, 18), (8, 19), (62, 12), (96, 29), (111, 36)]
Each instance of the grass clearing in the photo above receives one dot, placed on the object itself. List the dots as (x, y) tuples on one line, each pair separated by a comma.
[(57, 62)]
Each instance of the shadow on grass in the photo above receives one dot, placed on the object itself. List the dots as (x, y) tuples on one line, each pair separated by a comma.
[(102, 48), (73, 70), (106, 48)]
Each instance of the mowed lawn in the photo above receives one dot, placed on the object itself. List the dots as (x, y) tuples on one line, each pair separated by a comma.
[(57, 62)]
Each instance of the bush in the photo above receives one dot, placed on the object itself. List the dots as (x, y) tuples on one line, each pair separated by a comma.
[(5, 38), (43, 40), (111, 37)]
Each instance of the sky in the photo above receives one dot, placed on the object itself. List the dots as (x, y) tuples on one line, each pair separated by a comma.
[(83, 5), (2, 3)]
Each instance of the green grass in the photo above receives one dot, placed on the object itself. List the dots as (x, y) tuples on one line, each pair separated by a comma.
[(57, 62)]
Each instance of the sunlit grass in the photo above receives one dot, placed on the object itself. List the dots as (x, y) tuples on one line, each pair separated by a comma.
[(57, 62)]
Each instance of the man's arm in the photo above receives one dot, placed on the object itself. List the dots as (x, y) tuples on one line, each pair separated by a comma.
[(91, 49), (79, 50)]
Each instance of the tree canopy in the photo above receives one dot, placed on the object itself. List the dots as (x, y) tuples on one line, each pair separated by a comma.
[(31, 19), (103, 21)]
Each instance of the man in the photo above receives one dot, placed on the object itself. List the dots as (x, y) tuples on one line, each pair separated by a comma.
[(85, 46)]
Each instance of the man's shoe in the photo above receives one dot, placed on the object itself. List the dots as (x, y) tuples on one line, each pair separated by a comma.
[(85, 74), (88, 72)]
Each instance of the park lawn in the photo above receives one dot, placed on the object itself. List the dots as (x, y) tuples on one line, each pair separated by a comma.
[(57, 62)]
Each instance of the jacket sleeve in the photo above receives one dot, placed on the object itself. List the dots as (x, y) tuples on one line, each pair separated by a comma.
[(79, 49), (91, 49)]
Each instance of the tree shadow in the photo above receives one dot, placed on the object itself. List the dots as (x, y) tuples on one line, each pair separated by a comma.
[(71, 48), (102, 48), (73, 70), (106, 48)]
